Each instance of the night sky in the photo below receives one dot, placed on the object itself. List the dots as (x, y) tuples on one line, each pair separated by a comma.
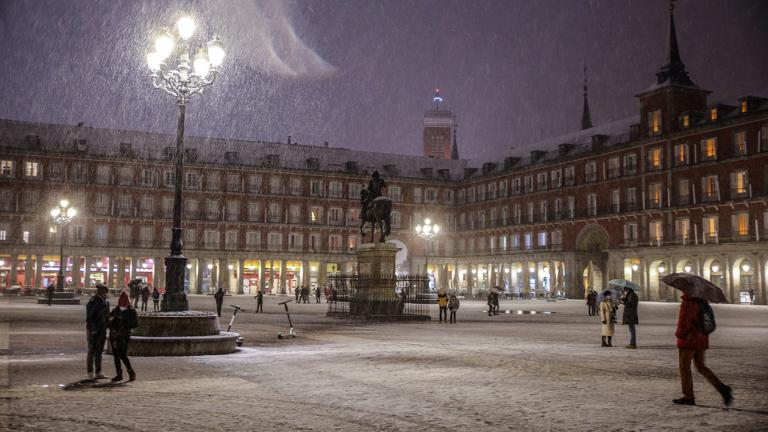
[(360, 73)]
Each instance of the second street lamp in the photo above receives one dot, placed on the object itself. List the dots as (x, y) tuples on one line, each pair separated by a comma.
[(190, 75), (428, 232), (62, 215)]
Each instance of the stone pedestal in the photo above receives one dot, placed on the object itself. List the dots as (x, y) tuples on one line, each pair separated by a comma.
[(61, 298), (376, 259)]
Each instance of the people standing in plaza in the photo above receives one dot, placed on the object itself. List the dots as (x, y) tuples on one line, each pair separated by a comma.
[(305, 294), (442, 303), (317, 294), (327, 294), (219, 296), (490, 303), (751, 296), (49, 293), (630, 318), (297, 292), (96, 317), (122, 319), (453, 306), (155, 299), (259, 302), (134, 289), (608, 317), (496, 300), (692, 343), (592, 303), (144, 297)]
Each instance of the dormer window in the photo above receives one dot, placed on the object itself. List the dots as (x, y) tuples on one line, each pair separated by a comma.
[(686, 121), (743, 106), (713, 114), (654, 122)]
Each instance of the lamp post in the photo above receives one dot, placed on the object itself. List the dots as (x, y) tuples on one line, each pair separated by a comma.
[(62, 215), (428, 232), (183, 81)]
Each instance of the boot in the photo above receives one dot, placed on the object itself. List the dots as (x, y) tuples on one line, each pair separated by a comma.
[(726, 393), (609, 341), (117, 378), (684, 401), (604, 344), (131, 375)]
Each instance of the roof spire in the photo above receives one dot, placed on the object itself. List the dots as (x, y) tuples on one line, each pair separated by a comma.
[(437, 99), (674, 71), (586, 118), (455, 147)]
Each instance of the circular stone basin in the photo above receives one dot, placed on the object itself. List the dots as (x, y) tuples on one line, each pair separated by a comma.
[(176, 324)]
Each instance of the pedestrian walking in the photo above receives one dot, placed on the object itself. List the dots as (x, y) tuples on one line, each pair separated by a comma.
[(327, 294), (442, 303), (297, 292), (453, 306), (49, 293), (592, 303), (751, 296), (155, 299), (96, 317), (692, 343), (134, 289), (144, 297), (121, 320), (317, 294), (259, 302), (495, 294), (490, 303), (608, 316), (219, 296), (305, 294), (629, 317)]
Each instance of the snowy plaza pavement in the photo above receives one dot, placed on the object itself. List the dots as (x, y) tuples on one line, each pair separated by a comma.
[(509, 372)]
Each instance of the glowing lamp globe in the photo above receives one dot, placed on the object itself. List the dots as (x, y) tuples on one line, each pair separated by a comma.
[(186, 27)]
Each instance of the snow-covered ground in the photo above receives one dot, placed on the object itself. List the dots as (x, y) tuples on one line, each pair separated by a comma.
[(509, 372)]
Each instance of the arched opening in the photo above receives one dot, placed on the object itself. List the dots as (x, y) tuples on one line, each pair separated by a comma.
[(592, 238), (592, 278), (713, 271), (657, 290), (744, 280)]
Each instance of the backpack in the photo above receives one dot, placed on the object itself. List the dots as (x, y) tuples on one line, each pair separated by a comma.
[(706, 322)]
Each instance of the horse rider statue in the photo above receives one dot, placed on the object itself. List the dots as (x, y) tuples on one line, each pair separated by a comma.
[(375, 208)]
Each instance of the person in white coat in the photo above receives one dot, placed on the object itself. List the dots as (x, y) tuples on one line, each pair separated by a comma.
[(608, 316)]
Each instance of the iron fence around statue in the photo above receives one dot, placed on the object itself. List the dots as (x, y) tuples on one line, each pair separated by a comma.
[(386, 298)]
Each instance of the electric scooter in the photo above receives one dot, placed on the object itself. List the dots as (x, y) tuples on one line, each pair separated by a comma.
[(237, 308), (291, 332)]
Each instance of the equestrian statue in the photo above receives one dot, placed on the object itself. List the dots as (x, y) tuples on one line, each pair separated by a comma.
[(375, 208)]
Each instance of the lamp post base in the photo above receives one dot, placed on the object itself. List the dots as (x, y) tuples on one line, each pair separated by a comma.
[(174, 299)]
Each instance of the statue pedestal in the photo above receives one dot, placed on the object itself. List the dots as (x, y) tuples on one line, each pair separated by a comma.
[(376, 260)]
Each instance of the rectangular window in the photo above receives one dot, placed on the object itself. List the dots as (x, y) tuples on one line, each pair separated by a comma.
[(528, 183), (104, 174), (353, 191), (528, 240), (630, 164), (100, 233), (654, 122), (147, 178), (491, 190), (334, 189), (739, 184), (656, 232), (212, 209), (571, 207), (763, 138), (448, 196), (654, 195), (570, 175), (395, 193), (275, 213), (334, 243), (558, 213), (530, 212), (233, 211), (686, 121), (430, 196), (556, 177), (31, 169), (743, 106), (503, 188), (193, 181), (212, 181), (654, 159), (683, 192), (295, 241), (252, 239), (125, 205), (740, 143), (740, 224), (6, 168), (518, 214), (541, 181), (614, 167), (709, 149), (275, 185), (56, 171), (274, 240), (683, 230), (233, 182), (556, 238), (709, 227), (516, 186), (147, 206), (396, 219), (590, 171), (315, 215), (514, 241), (542, 239), (231, 239), (480, 192), (630, 233), (189, 235), (418, 198), (713, 114), (169, 178), (616, 200), (334, 216), (710, 188), (254, 211), (592, 204), (543, 207), (681, 154), (254, 184), (125, 176)]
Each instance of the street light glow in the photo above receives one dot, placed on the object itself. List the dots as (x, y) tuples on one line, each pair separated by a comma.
[(186, 27), (164, 45), (201, 64), (154, 61), (215, 52)]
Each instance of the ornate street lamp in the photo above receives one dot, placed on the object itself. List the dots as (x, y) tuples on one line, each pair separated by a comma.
[(427, 232), (62, 215), (177, 71)]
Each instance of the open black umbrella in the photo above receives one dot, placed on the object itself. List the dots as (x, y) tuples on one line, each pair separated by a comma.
[(695, 286)]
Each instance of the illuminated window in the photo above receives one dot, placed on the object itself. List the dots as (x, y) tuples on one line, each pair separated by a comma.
[(710, 188), (739, 183), (709, 149), (686, 121), (654, 195), (713, 114), (743, 106), (654, 158), (681, 154), (31, 169), (740, 143), (654, 122), (709, 227), (656, 231), (740, 223), (6, 168)]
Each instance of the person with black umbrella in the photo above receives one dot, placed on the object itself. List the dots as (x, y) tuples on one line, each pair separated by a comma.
[(629, 318)]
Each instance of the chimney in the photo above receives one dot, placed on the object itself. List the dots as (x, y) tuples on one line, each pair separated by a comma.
[(488, 167), (510, 162), (564, 149), (537, 155), (598, 141), (289, 139)]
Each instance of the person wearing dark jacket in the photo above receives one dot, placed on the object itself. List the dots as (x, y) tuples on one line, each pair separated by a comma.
[(155, 299), (692, 344), (629, 318), (219, 296), (122, 319), (144, 297), (49, 293), (259, 302), (96, 316), (297, 292)]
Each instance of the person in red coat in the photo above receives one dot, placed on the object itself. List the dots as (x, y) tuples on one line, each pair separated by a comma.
[(692, 344)]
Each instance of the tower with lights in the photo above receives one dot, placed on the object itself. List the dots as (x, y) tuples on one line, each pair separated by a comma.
[(440, 130)]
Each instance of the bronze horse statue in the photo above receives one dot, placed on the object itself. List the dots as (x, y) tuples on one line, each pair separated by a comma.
[(376, 212)]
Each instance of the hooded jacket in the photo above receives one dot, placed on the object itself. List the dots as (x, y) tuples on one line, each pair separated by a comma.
[(688, 335)]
